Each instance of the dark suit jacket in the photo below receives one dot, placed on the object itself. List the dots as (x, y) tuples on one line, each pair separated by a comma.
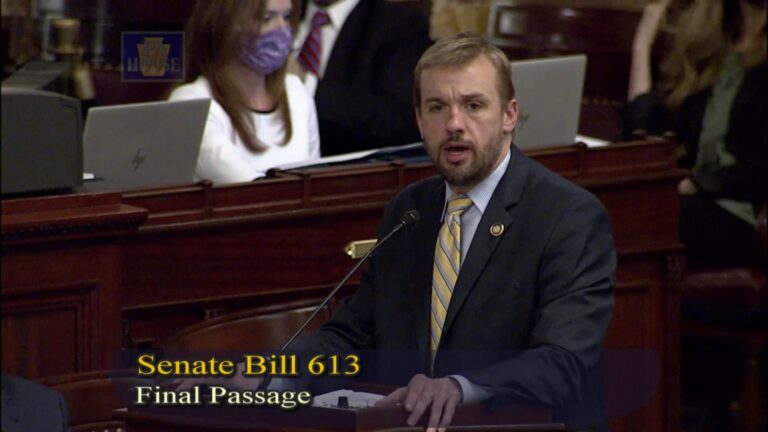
[(364, 98), (31, 407), (530, 308)]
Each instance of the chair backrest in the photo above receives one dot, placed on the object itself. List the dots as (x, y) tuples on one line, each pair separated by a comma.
[(534, 29), (263, 328), (92, 396), (541, 27), (529, 29)]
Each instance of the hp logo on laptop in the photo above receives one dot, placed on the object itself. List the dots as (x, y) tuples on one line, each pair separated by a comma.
[(138, 159)]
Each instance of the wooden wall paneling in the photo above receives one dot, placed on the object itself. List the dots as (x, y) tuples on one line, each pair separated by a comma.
[(632, 314), (672, 274), (55, 304), (61, 282), (642, 224), (646, 307), (646, 312), (244, 257), (58, 329)]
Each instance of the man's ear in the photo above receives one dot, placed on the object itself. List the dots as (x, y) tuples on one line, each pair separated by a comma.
[(510, 116)]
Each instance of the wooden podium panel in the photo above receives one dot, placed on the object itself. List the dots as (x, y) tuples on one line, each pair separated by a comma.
[(91, 273), (61, 282), (517, 419)]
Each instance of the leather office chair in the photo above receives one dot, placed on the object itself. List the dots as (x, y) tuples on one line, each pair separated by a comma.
[(732, 304), (262, 328), (92, 396)]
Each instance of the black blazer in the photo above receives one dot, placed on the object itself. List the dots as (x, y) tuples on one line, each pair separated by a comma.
[(530, 308), (746, 139), (364, 98), (28, 406)]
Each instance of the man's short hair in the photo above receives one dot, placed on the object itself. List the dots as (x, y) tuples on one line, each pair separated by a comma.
[(461, 50)]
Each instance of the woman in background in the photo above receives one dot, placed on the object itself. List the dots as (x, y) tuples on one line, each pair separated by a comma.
[(260, 116), (712, 91)]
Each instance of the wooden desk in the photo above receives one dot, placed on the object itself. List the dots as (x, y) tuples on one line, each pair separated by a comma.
[(86, 274)]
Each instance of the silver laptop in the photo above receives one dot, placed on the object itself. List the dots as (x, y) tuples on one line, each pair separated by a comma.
[(143, 145), (548, 93)]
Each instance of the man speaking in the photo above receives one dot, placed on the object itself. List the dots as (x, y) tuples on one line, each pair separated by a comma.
[(502, 291)]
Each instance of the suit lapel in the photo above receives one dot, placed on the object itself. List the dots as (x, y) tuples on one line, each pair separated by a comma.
[(484, 243)]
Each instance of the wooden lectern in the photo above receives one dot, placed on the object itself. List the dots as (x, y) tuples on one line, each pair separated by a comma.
[(467, 417)]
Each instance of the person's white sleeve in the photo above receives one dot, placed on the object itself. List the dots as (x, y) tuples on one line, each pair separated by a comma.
[(314, 130), (470, 391), (219, 159)]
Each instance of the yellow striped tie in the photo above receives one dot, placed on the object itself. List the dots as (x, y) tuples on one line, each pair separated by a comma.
[(447, 263)]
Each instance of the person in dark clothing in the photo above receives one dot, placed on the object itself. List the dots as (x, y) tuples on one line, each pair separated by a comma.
[(359, 67), (28, 406), (712, 93)]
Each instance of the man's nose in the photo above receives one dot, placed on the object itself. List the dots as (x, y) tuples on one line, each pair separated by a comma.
[(456, 121)]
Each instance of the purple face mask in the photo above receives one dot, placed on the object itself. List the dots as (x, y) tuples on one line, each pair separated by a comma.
[(267, 53)]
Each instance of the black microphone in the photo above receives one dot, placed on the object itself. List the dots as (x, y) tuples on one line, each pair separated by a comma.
[(408, 218)]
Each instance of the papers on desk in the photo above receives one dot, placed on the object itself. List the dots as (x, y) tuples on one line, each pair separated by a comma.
[(591, 141), (346, 157), (385, 153), (411, 152), (355, 400)]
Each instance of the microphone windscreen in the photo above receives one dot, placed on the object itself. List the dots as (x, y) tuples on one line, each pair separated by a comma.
[(409, 217)]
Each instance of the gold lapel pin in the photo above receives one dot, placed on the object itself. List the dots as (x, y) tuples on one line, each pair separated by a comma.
[(497, 229)]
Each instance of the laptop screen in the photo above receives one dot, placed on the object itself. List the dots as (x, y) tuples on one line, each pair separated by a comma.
[(548, 93), (143, 145)]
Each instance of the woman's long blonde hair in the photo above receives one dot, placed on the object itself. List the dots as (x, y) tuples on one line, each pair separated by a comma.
[(702, 36), (214, 37)]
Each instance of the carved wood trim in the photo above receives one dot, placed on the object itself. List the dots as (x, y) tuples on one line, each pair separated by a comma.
[(66, 217), (69, 229), (307, 192)]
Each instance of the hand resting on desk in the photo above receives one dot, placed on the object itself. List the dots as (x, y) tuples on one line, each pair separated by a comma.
[(440, 395)]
